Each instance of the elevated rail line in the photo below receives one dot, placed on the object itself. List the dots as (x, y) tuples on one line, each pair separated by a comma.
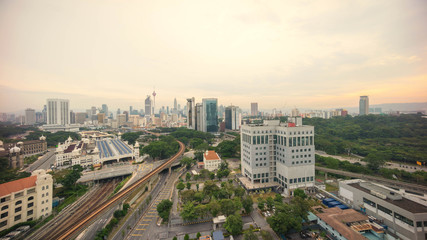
[(388, 182), (83, 221)]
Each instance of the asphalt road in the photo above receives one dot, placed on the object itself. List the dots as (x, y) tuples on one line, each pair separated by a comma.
[(44, 162)]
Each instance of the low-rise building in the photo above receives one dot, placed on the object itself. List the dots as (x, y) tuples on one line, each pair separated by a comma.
[(349, 224), (211, 160), (25, 199), (405, 217)]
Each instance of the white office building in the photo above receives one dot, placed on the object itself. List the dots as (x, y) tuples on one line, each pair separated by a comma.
[(58, 112), (278, 152)]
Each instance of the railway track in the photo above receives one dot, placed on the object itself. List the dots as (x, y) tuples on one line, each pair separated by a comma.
[(65, 221), (79, 222)]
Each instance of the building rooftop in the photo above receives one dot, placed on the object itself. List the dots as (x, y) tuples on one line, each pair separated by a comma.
[(338, 220), (17, 185), (400, 202), (211, 155)]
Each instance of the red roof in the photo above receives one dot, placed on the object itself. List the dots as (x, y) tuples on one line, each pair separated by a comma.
[(211, 155), (17, 185)]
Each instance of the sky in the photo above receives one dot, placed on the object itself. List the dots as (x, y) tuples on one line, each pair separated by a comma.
[(281, 54)]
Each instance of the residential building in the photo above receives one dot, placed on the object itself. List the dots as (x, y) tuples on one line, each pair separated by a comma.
[(58, 112), (364, 105), (210, 115), (121, 119), (404, 214), (211, 160), (26, 199), (199, 118), (232, 118), (278, 152), (30, 116), (254, 109), (72, 117)]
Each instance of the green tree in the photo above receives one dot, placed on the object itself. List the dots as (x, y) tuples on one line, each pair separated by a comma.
[(249, 235), (228, 206), (212, 176), (186, 237), (69, 181), (214, 208), (164, 208), (300, 193), (187, 162), (197, 186), (278, 198), (270, 203), (175, 238), (180, 186), (239, 191), (261, 203), (188, 212), (285, 219), (198, 235), (234, 224), (247, 204), (188, 186), (187, 177)]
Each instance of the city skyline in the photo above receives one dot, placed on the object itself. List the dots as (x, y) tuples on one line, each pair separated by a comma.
[(279, 54)]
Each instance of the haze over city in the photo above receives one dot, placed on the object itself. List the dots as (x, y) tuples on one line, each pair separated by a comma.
[(280, 53)]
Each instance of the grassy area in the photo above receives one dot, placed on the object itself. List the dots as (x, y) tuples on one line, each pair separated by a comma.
[(262, 195), (72, 198), (31, 159), (121, 184), (331, 188)]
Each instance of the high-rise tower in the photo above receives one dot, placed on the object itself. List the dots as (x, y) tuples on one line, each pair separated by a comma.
[(364, 105), (58, 112)]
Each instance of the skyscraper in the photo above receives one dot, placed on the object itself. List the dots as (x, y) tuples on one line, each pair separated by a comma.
[(105, 109), (209, 115), (191, 116), (364, 105), (175, 105), (254, 109), (30, 116), (58, 112), (232, 120), (148, 107)]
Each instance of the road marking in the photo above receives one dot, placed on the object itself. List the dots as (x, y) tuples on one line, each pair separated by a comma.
[(152, 212), (144, 224), (140, 229), (136, 235), (147, 220)]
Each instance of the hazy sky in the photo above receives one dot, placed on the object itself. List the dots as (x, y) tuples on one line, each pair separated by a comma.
[(308, 54)]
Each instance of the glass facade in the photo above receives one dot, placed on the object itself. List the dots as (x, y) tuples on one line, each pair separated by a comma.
[(210, 108)]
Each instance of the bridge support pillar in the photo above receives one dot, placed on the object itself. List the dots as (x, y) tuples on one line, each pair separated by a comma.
[(170, 169), (326, 176)]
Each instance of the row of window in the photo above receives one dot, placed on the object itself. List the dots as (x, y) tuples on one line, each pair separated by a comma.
[(390, 212), (279, 132)]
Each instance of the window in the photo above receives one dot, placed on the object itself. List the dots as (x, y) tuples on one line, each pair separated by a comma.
[(19, 194), (403, 219), (30, 204), (32, 190), (30, 212), (385, 210), (419, 224), (3, 215), (18, 202), (2, 224), (4, 207), (30, 198), (17, 217), (18, 209)]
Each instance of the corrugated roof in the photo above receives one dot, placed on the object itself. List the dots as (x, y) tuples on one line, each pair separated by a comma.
[(211, 155), (337, 219), (17, 185)]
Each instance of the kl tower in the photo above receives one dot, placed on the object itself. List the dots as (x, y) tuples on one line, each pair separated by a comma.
[(154, 104)]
